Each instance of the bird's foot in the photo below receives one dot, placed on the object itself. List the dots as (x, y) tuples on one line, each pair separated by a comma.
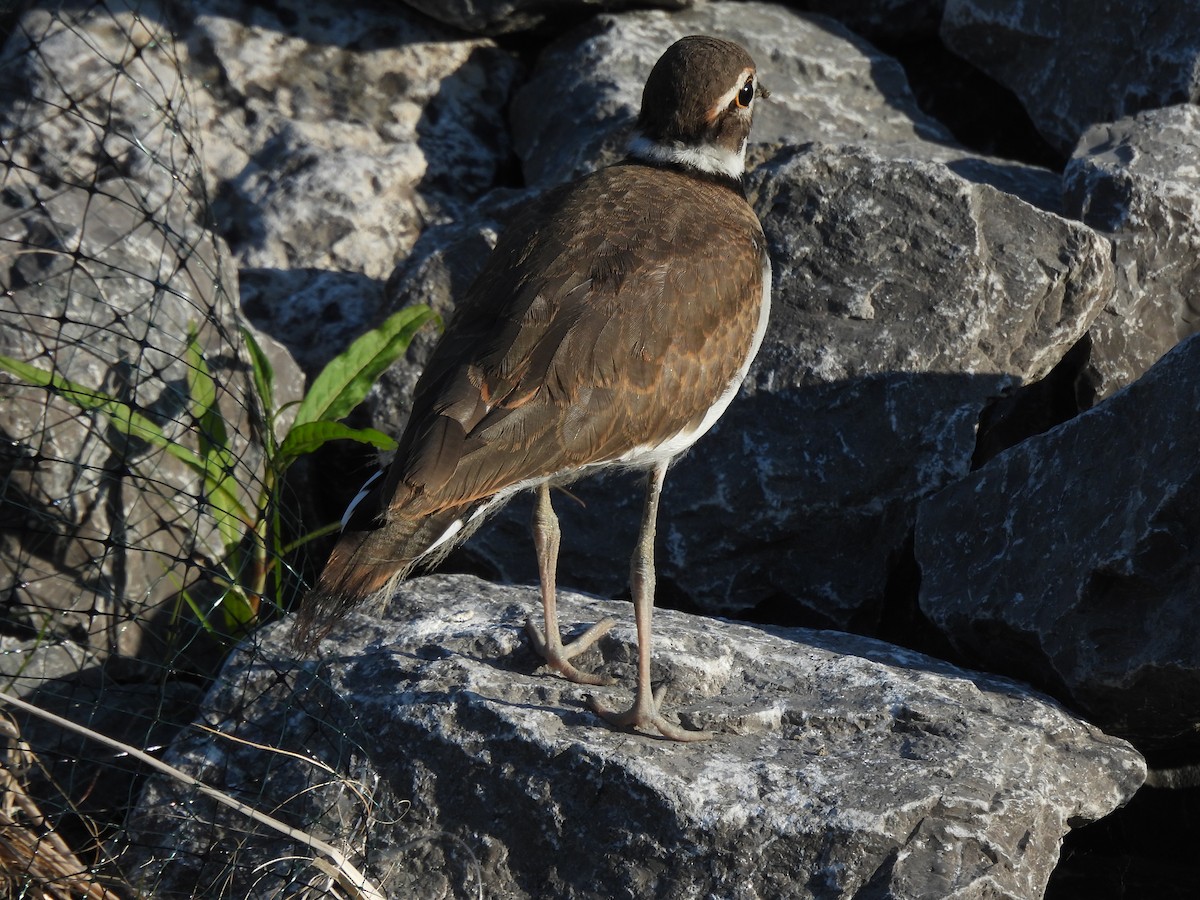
[(644, 715), (558, 655)]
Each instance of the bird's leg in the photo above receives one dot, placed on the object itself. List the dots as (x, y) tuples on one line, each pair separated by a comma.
[(644, 713), (546, 536)]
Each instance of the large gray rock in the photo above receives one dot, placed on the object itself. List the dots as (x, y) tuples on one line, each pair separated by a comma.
[(107, 269), (827, 85), (1137, 182), (844, 766), (1071, 560), (1074, 63)]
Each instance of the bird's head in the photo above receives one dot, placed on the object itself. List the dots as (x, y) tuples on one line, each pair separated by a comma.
[(697, 107)]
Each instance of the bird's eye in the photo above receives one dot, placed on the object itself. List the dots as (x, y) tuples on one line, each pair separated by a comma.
[(746, 94)]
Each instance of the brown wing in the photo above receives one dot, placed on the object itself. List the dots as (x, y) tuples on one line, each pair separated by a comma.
[(578, 343)]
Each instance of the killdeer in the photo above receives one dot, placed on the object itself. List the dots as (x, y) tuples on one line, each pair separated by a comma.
[(610, 328)]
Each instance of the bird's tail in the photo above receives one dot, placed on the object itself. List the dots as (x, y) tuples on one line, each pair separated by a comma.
[(364, 563)]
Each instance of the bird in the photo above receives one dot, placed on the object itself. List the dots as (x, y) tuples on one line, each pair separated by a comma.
[(609, 328)]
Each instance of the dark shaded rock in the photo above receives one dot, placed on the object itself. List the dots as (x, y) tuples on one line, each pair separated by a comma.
[(845, 766), (882, 20), (1075, 63), (1071, 560), (507, 16), (1137, 182)]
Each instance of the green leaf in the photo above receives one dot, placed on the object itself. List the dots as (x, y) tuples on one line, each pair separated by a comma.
[(221, 497), (264, 374), (212, 437), (308, 437), (344, 382)]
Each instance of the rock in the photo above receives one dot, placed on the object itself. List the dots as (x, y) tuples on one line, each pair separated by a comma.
[(1136, 181), (333, 140), (1071, 561), (106, 271), (844, 767), (882, 20), (1054, 55), (507, 16)]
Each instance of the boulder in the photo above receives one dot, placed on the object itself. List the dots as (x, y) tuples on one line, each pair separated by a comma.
[(1073, 63), (1136, 182), (843, 766), (107, 271), (826, 84), (1071, 559)]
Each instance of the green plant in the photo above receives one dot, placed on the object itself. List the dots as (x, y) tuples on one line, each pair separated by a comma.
[(248, 517)]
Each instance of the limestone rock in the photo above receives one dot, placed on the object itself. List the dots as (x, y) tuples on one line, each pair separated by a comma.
[(107, 273), (1074, 64), (1137, 182), (827, 85), (844, 767), (1071, 560)]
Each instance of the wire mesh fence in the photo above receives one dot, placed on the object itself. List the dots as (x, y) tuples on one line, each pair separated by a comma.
[(144, 528)]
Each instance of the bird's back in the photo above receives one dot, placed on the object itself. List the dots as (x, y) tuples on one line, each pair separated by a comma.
[(609, 319)]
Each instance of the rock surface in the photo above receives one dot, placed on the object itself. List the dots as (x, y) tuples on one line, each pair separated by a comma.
[(826, 84), (105, 273), (1137, 181), (1056, 55), (1071, 560), (845, 766)]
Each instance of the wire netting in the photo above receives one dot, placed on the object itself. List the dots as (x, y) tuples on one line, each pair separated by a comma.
[(141, 524)]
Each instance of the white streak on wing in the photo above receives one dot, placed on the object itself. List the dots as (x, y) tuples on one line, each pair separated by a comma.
[(455, 527), (476, 514), (358, 498)]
